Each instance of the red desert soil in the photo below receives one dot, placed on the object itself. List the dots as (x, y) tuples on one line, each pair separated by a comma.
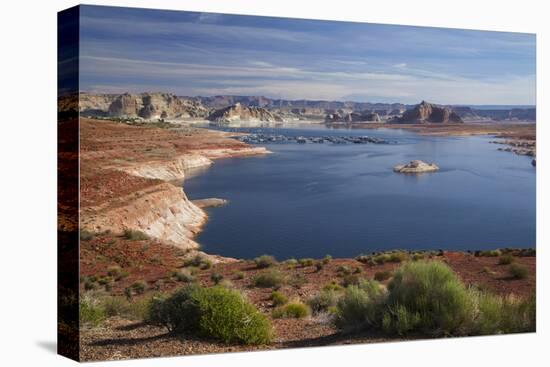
[(154, 263)]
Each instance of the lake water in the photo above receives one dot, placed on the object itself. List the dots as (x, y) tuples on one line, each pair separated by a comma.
[(309, 200)]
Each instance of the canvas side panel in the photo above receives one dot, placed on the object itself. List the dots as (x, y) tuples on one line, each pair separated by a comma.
[(68, 183)]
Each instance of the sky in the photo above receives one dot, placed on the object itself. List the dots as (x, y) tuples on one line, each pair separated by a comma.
[(205, 54)]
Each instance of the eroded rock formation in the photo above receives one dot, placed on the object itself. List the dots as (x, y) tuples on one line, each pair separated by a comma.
[(425, 112)]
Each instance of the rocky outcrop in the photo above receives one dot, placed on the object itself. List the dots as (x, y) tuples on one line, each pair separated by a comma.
[(426, 112), (166, 170), (416, 166), (240, 113), (162, 212), (352, 117), (148, 106)]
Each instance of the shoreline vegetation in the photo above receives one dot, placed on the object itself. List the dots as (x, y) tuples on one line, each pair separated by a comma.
[(138, 258)]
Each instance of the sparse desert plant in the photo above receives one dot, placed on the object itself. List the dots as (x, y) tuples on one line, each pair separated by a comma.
[(327, 259), (488, 253), (278, 298), (505, 259), (418, 256), (91, 313), (297, 281), (290, 263), (265, 261), (397, 257), (239, 275), (198, 261), (295, 310), (350, 279), (487, 270), (318, 266), (306, 262), (139, 286), (518, 271), (269, 279), (333, 286), (343, 270), (216, 277), (382, 275), (323, 300), (134, 235), (86, 235), (178, 312), (184, 275)]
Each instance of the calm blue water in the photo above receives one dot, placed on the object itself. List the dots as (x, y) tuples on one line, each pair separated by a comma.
[(308, 200)]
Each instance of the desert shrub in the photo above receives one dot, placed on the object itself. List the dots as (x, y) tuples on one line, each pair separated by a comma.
[(198, 261), (323, 300), (297, 281), (505, 259), (333, 286), (86, 235), (397, 257), (306, 262), (326, 259), (489, 253), (216, 278), (319, 266), (350, 279), (139, 286), (487, 270), (429, 297), (343, 270), (226, 315), (382, 275), (360, 306), (239, 275), (91, 313), (134, 235), (278, 298), (89, 285), (114, 271), (269, 279), (179, 312), (184, 275), (418, 256), (265, 261), (291, 262), (517, 271), (295, 310), (497, 315)]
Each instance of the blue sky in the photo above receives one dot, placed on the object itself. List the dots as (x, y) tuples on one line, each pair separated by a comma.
[(188, 53)]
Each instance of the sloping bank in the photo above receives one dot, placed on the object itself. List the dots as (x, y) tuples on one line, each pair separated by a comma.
[(158, 206)]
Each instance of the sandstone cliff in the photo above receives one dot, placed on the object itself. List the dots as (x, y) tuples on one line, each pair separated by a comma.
[(238, 113), (148, 106), (426, 112)]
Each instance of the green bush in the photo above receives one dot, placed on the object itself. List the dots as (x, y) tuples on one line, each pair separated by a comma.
[(224, 314), (327, 259), (382, 275), (134, 235), (489, 253), (343, 270), (323, 300), (333, 286), (518, 271), (360, 307), (265, 261), (397, 257), (139, 286), (291, 262), (91, 313), (505, 259), (295, 310), (120, 306), (269, 279), (239, 275), (501, 315), (278, 298), (429, 297), (351, 279), (179, 312)]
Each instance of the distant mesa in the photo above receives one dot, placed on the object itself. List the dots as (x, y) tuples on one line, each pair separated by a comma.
[(416, 166), (238, 113), (147, 106), (425, 112), (365, 116)]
